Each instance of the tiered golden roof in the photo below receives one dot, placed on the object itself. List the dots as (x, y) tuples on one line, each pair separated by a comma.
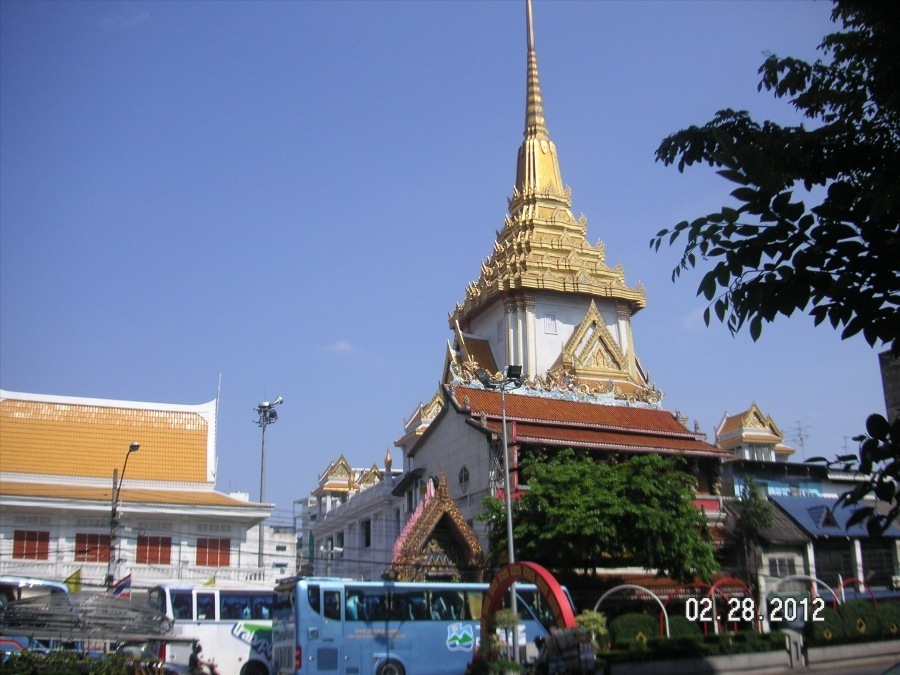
[(542, 245)]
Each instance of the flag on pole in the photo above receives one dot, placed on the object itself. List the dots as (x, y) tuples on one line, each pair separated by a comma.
[(122, 589), (211, 581), (73, 581)]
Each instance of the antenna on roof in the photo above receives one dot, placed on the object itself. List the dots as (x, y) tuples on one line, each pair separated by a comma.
[(800, 435)]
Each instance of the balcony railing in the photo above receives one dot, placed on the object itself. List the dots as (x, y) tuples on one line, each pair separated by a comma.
[(93, 575)]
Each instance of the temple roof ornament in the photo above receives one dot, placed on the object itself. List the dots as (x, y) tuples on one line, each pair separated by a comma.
[(534, 250), (437, 541)]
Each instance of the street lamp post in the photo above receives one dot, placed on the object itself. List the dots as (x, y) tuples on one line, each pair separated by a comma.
[(114, 517), (512, 379), (267, 416)]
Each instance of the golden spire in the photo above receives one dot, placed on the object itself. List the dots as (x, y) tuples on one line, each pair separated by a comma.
[(541, 245), (537, 171), (535, 126)]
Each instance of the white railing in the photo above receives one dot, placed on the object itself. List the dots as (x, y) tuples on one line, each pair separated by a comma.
[(93, 575)]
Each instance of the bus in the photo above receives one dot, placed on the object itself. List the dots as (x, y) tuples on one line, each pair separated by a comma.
[(232, 625), (22, 588), (338, 626)]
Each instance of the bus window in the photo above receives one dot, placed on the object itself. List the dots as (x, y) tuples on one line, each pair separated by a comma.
[(446, 606), (157, 600), (206, 606), (181, 604), (262, 606), (355, 609), (332, 605), (409, 606), (312, 595)]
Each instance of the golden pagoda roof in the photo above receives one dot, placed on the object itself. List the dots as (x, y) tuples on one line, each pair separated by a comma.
[(542, 245)]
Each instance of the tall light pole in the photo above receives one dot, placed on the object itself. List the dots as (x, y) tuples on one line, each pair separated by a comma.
[(267, 416), (114, 517), (512, 378)]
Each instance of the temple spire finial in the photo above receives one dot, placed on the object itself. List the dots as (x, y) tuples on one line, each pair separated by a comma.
[(535, 127)]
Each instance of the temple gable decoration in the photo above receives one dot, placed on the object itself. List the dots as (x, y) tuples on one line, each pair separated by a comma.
[(437, 542), (592, 350)]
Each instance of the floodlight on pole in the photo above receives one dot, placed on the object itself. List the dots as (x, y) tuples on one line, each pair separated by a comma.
[(114, 517), (512, 379), (267, 416)]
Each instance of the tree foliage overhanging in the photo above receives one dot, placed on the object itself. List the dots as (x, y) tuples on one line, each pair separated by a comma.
[(839, 259), (581, 514), (775, 253)]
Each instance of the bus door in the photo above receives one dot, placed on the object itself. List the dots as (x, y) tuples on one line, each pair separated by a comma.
[(325, 651)]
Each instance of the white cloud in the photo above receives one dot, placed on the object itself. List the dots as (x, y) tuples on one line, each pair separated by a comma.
[(342, 347)]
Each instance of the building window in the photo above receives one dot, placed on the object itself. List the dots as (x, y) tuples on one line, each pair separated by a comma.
[(339, 544), (154, 550), (550, 324), (464, 479), (213, 552), (31, 545), (91, 547), (781, 567), (365, 532)]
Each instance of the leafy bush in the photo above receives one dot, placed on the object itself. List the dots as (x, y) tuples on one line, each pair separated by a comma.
[(889, 617), (595, 624), (629, 628), (830, 629), (679, 627), (860, 619)]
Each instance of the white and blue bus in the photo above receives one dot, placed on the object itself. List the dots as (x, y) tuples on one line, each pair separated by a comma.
[(343, 627), (233, 625)]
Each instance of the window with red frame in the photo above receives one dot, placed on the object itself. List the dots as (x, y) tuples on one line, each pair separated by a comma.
[(154, 550), (31, 545), (91, 547), (213, 552)]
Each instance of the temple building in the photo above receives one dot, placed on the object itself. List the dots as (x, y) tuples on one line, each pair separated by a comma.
[(547, 303)]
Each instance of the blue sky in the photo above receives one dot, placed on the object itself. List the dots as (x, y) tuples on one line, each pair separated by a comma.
[(293, 195)]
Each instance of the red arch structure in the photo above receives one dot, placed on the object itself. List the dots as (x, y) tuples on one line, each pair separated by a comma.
[(531, 573)]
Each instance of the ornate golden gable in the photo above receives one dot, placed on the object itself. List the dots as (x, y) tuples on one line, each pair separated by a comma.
[(370, 476), (339, 477), (592, 351), (438, 543)]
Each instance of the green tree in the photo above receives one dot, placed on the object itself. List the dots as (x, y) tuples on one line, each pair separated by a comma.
[(839, 259), (772, 252), (754, 515), (582, 514)]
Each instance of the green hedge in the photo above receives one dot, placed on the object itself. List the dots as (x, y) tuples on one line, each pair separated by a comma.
[(830, 629), (890, 621), (628, 629), (861, 619), (855, 621)]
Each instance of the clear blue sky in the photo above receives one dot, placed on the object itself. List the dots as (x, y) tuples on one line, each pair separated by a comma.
[(294, 195)]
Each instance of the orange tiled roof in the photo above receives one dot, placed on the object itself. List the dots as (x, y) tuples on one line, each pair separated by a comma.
[(104, 495), (66, 436), (607, 440), (561, 422)]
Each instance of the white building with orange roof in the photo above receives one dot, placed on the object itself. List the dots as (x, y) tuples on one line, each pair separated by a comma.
[(60, 458)]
